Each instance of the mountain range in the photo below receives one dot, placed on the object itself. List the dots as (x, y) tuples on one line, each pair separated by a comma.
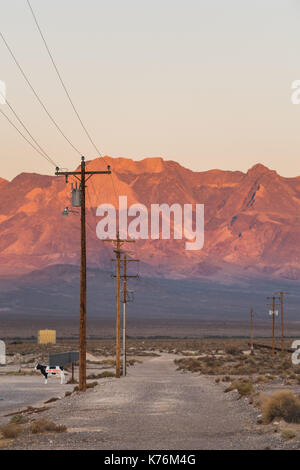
[(252, 223)]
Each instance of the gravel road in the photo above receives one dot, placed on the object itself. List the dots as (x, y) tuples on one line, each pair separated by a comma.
[(155, 407), (20, 392)]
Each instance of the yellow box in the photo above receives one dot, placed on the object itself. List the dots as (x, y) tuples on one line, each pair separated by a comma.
[(47, 337)]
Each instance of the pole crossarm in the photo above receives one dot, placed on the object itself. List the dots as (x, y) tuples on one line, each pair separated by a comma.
[(128, 260), (137, 276), (67, 173), (116, 240), (78, 174), (125, 261)]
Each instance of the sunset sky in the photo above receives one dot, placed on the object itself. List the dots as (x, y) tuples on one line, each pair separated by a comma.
[(204, 82)]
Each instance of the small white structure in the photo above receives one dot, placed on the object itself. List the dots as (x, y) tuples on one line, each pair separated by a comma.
[(296, 354), (2, 353)]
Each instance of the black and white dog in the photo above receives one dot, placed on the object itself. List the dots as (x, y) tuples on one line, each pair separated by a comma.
[(51, 371)]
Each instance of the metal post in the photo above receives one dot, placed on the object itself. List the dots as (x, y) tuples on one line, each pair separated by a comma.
[(273, 305), (282, 327), (124, 340), (273, 326), (124, 313), (282, 294)]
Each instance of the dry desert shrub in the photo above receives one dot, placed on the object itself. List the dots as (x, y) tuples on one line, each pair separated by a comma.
[(261, 379), (11, 431), (258, 399), (190, 363), (287, 434), (91, 384), (244, 388), (282, 404), (226, 378), (18, 419), (46, 425), (106, 374), (232, 349), (88, 385), (93, 376), (72, 381)]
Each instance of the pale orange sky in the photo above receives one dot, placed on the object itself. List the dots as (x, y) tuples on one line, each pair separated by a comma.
[(204, 83)]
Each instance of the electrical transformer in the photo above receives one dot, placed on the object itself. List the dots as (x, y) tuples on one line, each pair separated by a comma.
[(76, 196)]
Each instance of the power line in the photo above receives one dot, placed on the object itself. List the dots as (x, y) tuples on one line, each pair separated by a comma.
[(61, 79), (67, 92), (24, 137), (118, 242), (45, 154), (36, 94)]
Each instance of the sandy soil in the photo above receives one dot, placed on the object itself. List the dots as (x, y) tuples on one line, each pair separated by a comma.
[(20, 392), (155, 407)]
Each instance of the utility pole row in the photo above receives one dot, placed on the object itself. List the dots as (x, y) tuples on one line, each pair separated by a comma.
[(125, 277), (273, 313), (118, 243)]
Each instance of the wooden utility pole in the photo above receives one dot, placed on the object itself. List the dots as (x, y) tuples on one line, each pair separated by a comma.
[(282, 321), (125, 260), (251, 332), (273, 298), (82, 322), (124, 313), (118, 346), (81, 176), (118, 243)]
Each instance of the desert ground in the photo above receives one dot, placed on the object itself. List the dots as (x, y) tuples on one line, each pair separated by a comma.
[(178, 394)]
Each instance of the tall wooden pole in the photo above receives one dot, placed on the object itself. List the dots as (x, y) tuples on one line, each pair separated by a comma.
[(118, 345), (82, 326), (81, 176)]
